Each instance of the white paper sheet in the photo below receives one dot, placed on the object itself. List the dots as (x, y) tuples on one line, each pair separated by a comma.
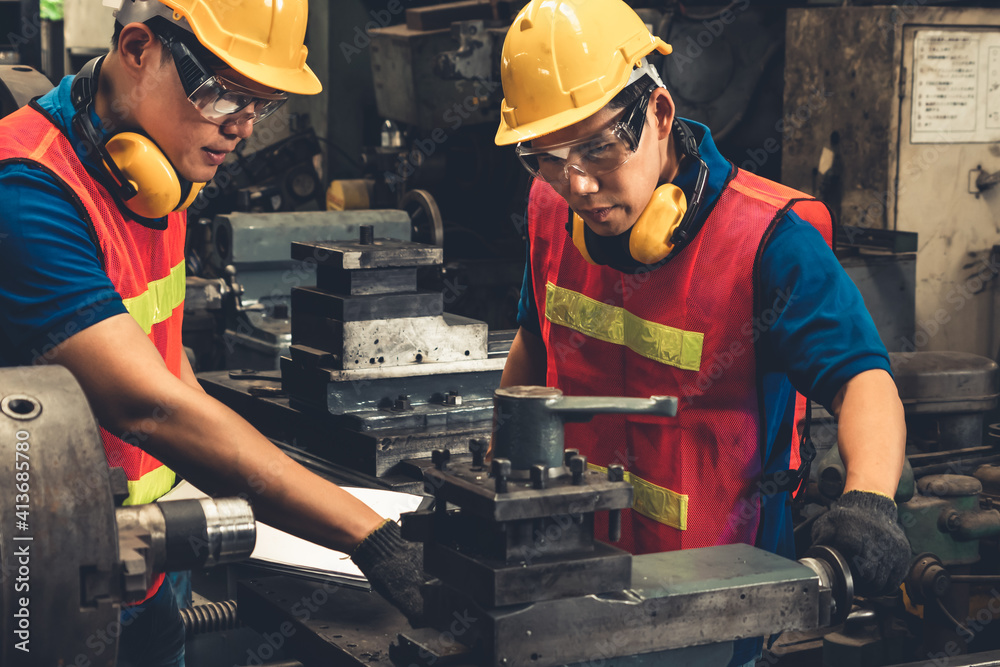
[(279, 548)]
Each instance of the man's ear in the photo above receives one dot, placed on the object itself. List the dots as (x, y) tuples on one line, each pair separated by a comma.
[(663, 111), (138, 47)]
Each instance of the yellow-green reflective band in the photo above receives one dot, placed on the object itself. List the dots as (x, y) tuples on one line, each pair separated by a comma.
[(613, 324), (656, 502), (159, 300), (150, 486)]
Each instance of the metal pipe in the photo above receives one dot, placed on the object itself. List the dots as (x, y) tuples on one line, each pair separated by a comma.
[(191, 534), (955, 467), (976, 578)]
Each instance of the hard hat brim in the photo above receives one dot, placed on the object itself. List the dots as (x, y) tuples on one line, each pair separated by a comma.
[(302, 82)]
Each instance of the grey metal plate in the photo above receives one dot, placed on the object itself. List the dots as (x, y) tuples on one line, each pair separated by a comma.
[(383, 253), (497, 584), (422, 303), (402, 341), (469, 488), (340, 439), (678, 599)]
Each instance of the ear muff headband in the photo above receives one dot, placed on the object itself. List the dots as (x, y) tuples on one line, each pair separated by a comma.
[(143, 178), (666, 222)]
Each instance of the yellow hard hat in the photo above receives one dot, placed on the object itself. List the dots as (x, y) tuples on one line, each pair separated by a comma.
[(260, 39), (564, 60)]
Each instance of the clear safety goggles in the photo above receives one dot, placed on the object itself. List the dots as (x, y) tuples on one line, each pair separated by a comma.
[(595, 155), (216, 98)]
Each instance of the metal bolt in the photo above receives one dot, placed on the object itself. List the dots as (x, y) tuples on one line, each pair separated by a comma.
[(501, 471), (440, 458), (569, 454), (614, 525), (452, 398), (402, 403), (367, 234), (539, 475), (477, 447), (578, 466), (616, 473)]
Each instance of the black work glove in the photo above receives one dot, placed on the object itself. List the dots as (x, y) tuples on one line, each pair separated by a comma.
[(863, 527), (395, 569)]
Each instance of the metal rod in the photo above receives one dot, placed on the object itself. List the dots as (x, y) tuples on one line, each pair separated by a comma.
[(975, 578)]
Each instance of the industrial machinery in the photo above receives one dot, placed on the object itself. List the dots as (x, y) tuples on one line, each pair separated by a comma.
[(891, 114), (521, 580), (69, 558), (378, 373), (237, 310)]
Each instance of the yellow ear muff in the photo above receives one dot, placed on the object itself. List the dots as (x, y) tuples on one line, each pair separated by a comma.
[(195, 189), (651, 233), (579, 240), (151, 174)]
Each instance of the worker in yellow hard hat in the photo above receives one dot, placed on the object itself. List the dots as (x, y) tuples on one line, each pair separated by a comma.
[(656, 267), (95, 176)]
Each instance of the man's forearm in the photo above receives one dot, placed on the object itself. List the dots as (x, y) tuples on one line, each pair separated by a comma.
[(134, 396), (871, 432), (526, 362), (218, 451)]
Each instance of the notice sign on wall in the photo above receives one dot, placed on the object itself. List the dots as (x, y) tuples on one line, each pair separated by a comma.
[(956, 87)]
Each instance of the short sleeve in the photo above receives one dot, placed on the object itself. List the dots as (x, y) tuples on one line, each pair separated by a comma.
[(815, 326), (52, 284), (527, 309)]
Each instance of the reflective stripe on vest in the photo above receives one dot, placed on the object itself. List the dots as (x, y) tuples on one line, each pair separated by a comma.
[(613, 324), (159, 300), (656, 502), (150, 486)]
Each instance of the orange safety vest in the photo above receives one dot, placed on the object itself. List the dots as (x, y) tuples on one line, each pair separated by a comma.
[(145, 265), (686, 329)]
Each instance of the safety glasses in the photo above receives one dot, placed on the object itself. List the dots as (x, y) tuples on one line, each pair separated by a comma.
[(595, 155), (216, 98)]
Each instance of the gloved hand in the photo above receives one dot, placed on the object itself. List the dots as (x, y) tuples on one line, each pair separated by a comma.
[(863, 527), (395, 569)]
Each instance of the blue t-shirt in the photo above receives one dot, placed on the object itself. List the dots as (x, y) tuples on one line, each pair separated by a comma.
[(822, 334), (52, 283)]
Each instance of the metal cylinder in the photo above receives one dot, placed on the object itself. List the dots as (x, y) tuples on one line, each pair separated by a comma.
[(960, 431), (367, 234), (529, 422), (942, 505), (528, 432), (189, 534)]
